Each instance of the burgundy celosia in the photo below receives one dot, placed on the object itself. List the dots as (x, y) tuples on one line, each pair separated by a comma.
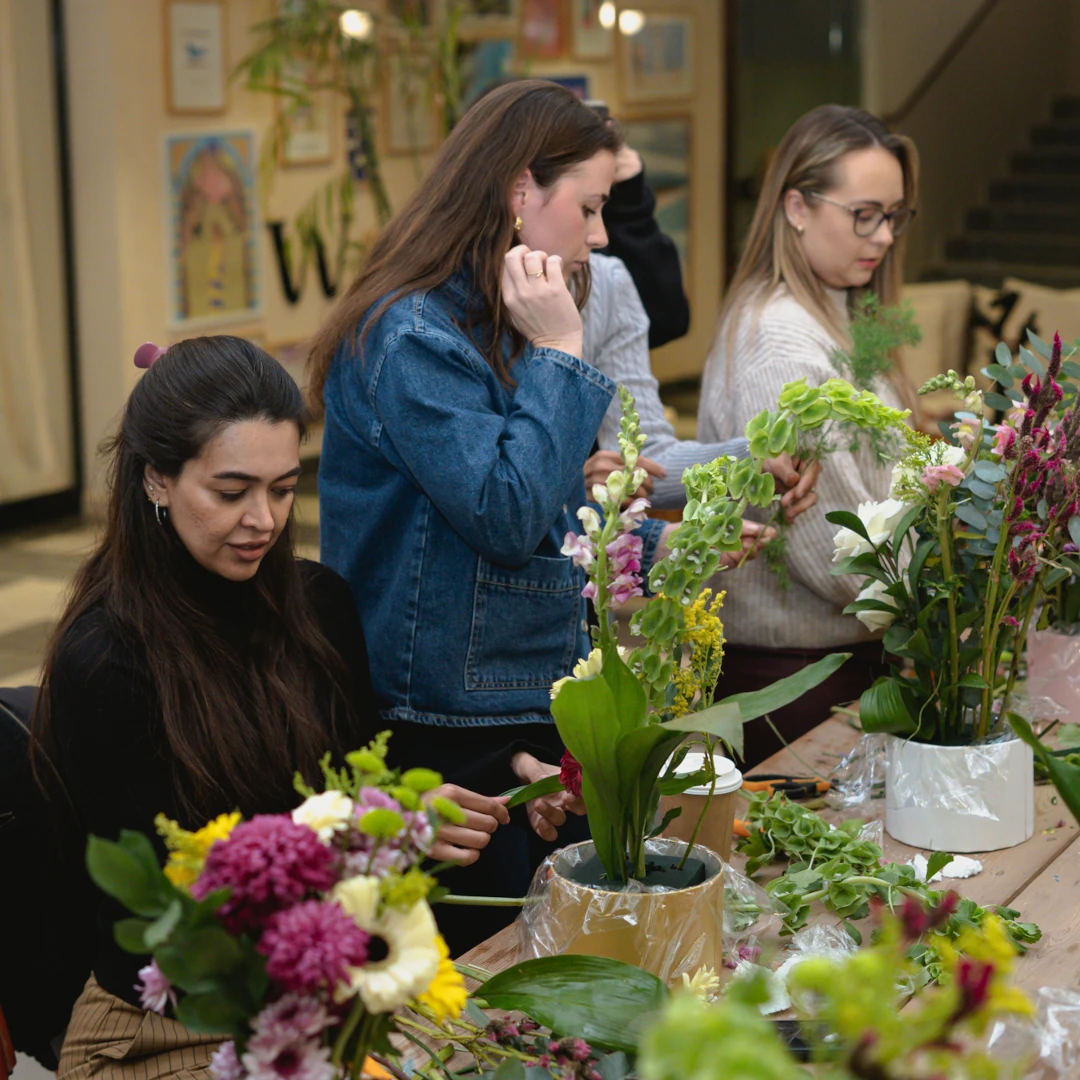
[(570, 773), (268, 863), (309, 946)]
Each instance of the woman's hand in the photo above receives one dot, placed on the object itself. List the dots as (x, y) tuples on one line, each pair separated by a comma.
[(754, 537), (548, 812), (538, 302), (796, 480), (483, 815), (604, 462)]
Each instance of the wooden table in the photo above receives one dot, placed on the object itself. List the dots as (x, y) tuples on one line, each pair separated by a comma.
[(1040, 877)]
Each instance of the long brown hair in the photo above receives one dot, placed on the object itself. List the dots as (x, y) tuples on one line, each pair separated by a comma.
[(806, 161), (236, 726), (460, 215)]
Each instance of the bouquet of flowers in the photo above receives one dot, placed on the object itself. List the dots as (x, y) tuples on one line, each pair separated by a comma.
[(297, 935), (976, 531), (622, 715)]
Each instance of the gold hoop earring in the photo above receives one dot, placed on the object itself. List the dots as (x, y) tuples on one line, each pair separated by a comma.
[(518, 223)]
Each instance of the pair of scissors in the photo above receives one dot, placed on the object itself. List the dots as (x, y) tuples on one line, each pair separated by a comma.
[(794, 787)]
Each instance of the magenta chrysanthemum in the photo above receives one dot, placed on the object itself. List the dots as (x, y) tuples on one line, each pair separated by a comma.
[(269, 863), (309, 946)]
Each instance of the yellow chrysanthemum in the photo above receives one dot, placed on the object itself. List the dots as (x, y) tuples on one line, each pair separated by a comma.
[(446, 996), (187, 850)]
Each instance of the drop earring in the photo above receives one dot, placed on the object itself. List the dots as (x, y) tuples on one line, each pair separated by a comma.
[(157, 506), (518, 223)]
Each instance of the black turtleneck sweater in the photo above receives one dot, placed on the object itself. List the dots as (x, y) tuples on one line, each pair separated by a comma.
[(107, 725)]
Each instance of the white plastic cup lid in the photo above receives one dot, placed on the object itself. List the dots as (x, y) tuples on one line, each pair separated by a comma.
[(728, 778)]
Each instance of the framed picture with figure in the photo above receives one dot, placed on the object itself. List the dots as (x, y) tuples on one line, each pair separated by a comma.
[(663, 141), (656, 61), (543, 29), (196, 80), (592, 29), (410, 122), (212, 228)]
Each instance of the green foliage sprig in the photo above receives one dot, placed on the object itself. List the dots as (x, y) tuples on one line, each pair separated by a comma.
[(844, 872)]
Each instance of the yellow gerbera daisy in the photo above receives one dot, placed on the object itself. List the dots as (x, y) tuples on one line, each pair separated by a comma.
[(446, 996)]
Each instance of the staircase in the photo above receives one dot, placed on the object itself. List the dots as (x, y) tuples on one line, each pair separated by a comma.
[(1030, 227)]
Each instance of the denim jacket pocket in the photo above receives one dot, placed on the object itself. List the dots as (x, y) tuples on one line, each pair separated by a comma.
[(524, 625)]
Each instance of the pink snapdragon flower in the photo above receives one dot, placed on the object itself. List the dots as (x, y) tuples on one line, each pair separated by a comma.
[(625, 553), (967, 432), (634, 514), (623, 587), (933, 475), (1004, 437), (580, 549)]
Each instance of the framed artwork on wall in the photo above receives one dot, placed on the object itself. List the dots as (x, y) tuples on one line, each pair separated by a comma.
[(663, 141), (307, 128), (212, 227), (410, 123), (489, 19), (656, 63), (543, 29), (483, 64), (196, 79), (577, 84), (592, 29)]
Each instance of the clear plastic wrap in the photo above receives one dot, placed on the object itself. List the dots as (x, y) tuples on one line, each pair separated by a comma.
[(1049, 1041), (959, 798), (668, 932), (749, 913), (1053, 674), (860, 776)]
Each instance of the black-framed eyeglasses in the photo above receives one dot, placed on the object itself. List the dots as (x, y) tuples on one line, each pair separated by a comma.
[(866, 220)]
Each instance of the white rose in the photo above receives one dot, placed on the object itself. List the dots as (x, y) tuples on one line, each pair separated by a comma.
[(876, 620), (953, 455), (879, 520), (327, 813)]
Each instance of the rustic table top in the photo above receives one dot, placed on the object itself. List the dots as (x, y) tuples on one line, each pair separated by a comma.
[(1041, 877)]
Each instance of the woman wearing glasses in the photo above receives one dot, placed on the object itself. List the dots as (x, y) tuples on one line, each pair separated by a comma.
[(836, 200)]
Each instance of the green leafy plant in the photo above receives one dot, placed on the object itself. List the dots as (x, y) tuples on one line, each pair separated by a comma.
[(843, 872), (622, 717), (956, 560), (856, 1014)]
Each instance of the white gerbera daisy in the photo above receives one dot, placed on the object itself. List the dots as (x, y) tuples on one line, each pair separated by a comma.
[(403, 954)]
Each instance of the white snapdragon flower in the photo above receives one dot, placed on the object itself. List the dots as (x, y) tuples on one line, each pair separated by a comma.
[(876, 620), (588, 668), (327, 813), (879, 519), (589, 518)]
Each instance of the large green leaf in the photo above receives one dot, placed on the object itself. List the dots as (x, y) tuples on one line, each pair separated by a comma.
[(755, 703), (1066, 777), (882, 708), (631, 705), (605, 1002), (211, 1013), (549, 785), (724, 720), (121, 870), (847, 520)]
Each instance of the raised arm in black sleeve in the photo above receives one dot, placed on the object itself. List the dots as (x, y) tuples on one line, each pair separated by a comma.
[(649, 255)]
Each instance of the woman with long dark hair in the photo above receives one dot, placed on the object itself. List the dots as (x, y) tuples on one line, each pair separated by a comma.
[(199, 664), (836, 200)]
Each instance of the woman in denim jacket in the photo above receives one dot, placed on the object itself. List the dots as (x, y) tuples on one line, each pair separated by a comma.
[(459, 415)]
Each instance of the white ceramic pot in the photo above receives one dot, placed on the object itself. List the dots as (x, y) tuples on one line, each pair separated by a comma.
[(959, 798)]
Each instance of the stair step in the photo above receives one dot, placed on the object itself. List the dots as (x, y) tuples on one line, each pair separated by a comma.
[(1045, 188), (1055, 218), (1060, 133), (1066, 108), (1047, 160), (1054, 250), (992, 273)]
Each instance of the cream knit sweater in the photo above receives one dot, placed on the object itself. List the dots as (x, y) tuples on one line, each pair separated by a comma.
[(774, 345)]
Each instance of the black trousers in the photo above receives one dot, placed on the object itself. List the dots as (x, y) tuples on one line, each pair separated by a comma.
[(478, 758)]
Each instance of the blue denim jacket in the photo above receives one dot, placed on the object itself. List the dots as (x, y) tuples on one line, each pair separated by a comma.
[(444, 498)]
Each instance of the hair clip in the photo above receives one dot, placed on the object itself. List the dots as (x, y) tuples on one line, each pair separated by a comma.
[(148, 353)]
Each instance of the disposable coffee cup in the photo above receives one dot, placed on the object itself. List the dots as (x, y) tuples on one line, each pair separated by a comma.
[(719, 822)]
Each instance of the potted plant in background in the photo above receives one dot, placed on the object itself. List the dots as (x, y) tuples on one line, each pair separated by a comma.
[(975, 533), (624, 715)]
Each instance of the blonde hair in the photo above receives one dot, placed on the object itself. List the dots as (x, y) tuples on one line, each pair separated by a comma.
[(806, 161)]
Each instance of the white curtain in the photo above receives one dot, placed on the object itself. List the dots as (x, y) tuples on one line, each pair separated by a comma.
[(34, 455)]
